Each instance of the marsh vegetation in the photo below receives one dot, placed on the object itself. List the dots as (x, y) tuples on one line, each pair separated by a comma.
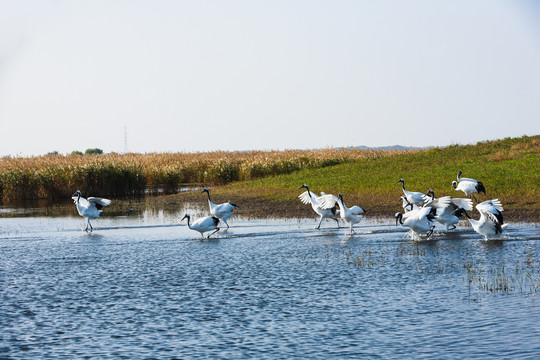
[(56, 176), (508, 168)]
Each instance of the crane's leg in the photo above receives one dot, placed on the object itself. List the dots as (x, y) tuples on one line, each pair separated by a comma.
[(319, 226), (87, 224), (225, 221), (474, 198), (430, 231), (350, 227), (337, 220), (217, 229)]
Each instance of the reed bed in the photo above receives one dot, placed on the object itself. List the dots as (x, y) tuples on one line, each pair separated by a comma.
[(58, 176)]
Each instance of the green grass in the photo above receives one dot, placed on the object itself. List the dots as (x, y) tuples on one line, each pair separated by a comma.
[(509, 169)]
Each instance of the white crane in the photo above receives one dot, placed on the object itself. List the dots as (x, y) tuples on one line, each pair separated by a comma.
[(413, 197), (89, 208), (221, 211), (419, 220), (407, 206), (468, 186), (309, 198), (449, 211), (351, 216), (491, 220), (203, 224)]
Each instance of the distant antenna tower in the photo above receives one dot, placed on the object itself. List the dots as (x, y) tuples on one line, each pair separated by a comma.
[(125, 140)]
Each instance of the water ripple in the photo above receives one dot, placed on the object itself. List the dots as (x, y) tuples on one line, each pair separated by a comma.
[(264, 289)]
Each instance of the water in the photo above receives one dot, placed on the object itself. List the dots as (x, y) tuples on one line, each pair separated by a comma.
[(145, 286)]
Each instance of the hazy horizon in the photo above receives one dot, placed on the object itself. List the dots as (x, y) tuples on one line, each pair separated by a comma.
[(352, 147), (186, 76)]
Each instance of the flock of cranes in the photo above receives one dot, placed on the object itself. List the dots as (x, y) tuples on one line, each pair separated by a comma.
[(420, 210)]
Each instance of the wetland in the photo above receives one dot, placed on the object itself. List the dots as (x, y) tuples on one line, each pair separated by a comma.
[(142, 285)]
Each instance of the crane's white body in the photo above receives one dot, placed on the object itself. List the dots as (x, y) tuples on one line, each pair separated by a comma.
[(221, 211), (204, 224), (351, 216), (310, 198), (413, 197), (490, 223), (468, 186), (417, 220), (448, 211), (89, 208), (450, 215)]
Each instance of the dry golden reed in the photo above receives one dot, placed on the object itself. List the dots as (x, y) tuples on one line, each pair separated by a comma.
[(58, 176)]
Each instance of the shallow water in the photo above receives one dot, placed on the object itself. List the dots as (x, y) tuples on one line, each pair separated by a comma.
[(145, 286)]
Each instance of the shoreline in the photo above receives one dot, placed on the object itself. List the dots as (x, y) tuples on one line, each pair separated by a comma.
[(261, 208), (248, 206)]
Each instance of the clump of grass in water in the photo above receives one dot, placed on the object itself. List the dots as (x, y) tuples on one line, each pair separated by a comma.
[(365, 258), (524, 280), (408, 251)]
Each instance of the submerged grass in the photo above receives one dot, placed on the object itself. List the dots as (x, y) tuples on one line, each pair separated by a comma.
[(521, 277)]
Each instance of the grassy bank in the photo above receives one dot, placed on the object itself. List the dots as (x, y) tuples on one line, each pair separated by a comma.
[(509, 169)]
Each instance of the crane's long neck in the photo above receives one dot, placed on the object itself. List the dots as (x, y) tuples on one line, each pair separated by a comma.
[(309, 192), (342, 206), (209, 201), (459, 176), (78, 198), (400, 218), (409, 205), (188, 224), (474, 223), (405, 202), (403, 185)]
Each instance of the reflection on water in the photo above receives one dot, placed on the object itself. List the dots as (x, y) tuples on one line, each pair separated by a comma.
[(143, 285)]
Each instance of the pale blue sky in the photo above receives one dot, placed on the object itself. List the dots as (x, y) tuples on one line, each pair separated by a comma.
[(240, 75)]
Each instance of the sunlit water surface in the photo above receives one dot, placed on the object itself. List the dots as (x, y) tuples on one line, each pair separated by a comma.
[(145, 286)]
